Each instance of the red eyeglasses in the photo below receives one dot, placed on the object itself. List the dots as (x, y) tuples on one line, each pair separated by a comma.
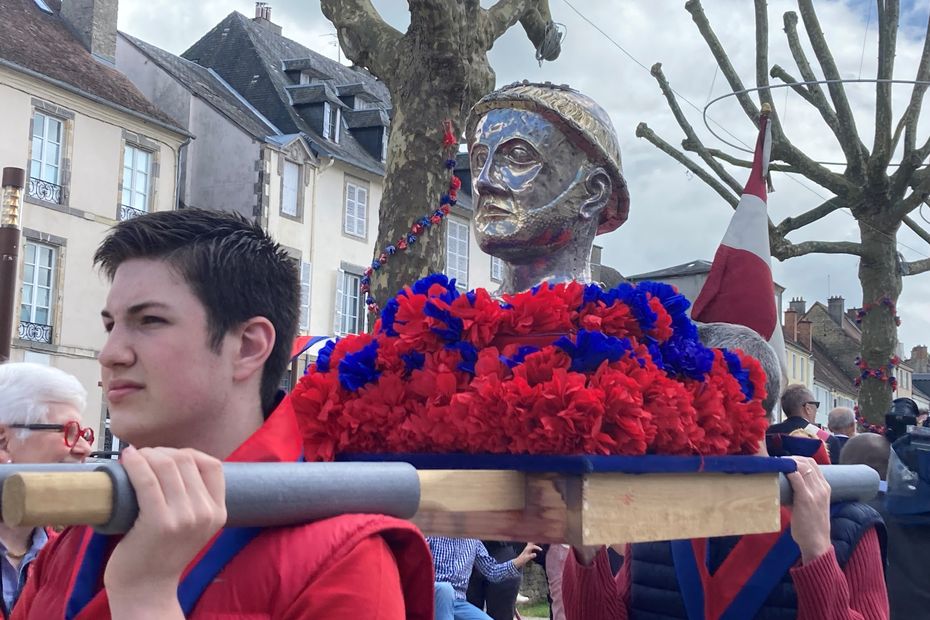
[(72, 431)]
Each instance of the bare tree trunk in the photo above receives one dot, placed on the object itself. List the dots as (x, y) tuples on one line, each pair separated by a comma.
[(435, 72), (880, 277)]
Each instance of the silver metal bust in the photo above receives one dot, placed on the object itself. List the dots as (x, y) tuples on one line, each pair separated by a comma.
[(546, 179)]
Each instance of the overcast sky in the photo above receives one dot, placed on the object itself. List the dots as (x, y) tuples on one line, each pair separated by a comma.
[(674, 218)]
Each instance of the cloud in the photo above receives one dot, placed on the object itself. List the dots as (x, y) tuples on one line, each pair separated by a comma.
[(675, 217)]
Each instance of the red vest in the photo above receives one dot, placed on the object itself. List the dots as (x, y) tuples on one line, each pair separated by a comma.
[(273, 573)]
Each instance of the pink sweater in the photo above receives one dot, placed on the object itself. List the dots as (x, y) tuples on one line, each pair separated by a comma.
[(825, 592)]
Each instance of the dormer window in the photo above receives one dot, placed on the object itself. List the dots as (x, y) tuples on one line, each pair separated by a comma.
[(304, 77), (331, 122)]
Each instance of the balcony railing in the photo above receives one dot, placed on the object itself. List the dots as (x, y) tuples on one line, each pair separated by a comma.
[(44, 190), (35, 332), (127, 213)]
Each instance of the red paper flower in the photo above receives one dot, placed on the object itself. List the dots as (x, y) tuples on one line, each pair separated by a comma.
[(475, 375)]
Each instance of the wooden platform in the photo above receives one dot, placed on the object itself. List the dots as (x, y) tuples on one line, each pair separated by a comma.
[(595, 508)]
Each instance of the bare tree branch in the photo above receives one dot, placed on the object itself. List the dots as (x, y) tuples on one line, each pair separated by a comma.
[(736, 84), (913, 157), (365, 37), (794, 43), (643, 131), (691, 136), (762, 61), (735, 161), (790, 250), (502, 16), (780, 73), (920, 191), (888, 11), (910, 223), (916, 267), (824, 209), (533, 15), (923, 75), (852, 146)]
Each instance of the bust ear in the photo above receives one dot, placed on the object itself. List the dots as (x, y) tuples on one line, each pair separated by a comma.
[(599, 188)]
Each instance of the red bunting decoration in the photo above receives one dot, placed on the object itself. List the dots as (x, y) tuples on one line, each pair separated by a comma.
[(450, 147), (884, 301)]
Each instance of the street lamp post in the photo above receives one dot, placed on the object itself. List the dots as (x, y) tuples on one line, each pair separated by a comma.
[(14, 179)]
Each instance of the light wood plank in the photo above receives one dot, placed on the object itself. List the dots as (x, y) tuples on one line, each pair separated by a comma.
[(640, 508)]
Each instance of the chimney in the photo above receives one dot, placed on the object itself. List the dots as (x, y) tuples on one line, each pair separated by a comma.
[(919, 359), (804, 335), (791, 325), (836, 308), (263, 17), (94, 24), (596, 252), (798, 305)]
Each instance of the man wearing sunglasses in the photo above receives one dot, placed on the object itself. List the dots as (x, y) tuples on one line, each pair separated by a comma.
[(40, 422), (800, 407)]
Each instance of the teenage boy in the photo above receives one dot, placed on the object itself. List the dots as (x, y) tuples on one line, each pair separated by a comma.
[(200, 317)]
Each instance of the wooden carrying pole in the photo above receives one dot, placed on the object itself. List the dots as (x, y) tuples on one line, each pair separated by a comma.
[(580, 509)]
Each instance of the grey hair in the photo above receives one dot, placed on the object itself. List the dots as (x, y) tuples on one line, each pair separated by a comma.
[(27, 390), (840, 418), (867, 449), (792, 402), (732, 336)]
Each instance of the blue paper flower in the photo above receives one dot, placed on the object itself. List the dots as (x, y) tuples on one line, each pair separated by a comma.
[(520, 356), (413, 361), (359, 368), (323, 357), (684, 356), (591, 349), (469, 355), (741, 374)]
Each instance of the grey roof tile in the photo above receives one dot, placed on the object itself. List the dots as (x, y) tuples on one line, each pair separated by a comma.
[(208, 86), (256, 61), (43, 43)]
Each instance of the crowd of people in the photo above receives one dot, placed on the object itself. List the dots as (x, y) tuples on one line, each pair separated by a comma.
[(191, 373), (199, 319)]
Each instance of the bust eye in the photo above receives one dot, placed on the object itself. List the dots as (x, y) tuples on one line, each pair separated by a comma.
[(521, 154)]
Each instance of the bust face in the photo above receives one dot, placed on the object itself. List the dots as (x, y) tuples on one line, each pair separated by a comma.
[(528, 181)]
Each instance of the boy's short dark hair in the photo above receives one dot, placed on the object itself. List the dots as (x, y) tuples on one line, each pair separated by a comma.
[(233, 267)]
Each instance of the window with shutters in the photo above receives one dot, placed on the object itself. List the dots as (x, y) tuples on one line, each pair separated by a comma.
[(305, 278), (135, 194), (457, 252), (47, 159), (290, 190), (355, 221), (37, 294), (350, 315), (331, 122)]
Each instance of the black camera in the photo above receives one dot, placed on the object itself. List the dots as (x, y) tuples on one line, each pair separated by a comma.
[(901, 419)]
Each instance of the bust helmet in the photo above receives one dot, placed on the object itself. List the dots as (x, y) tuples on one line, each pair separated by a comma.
[(584, 123)]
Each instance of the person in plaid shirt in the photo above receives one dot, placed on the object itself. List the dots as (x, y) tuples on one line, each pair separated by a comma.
[(453, 559)]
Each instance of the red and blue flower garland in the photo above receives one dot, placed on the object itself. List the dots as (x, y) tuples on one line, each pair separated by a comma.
[(560, 369)]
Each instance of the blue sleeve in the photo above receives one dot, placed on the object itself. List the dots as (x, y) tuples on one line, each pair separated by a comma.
[(492, 570)]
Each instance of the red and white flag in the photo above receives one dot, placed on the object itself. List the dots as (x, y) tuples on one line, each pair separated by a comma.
[(739, 288)]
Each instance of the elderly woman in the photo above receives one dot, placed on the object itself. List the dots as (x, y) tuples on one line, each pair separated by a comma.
[(40, 422)]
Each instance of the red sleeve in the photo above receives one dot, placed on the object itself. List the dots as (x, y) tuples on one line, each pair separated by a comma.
[(363, 583), (592, 592), (825, 592)]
